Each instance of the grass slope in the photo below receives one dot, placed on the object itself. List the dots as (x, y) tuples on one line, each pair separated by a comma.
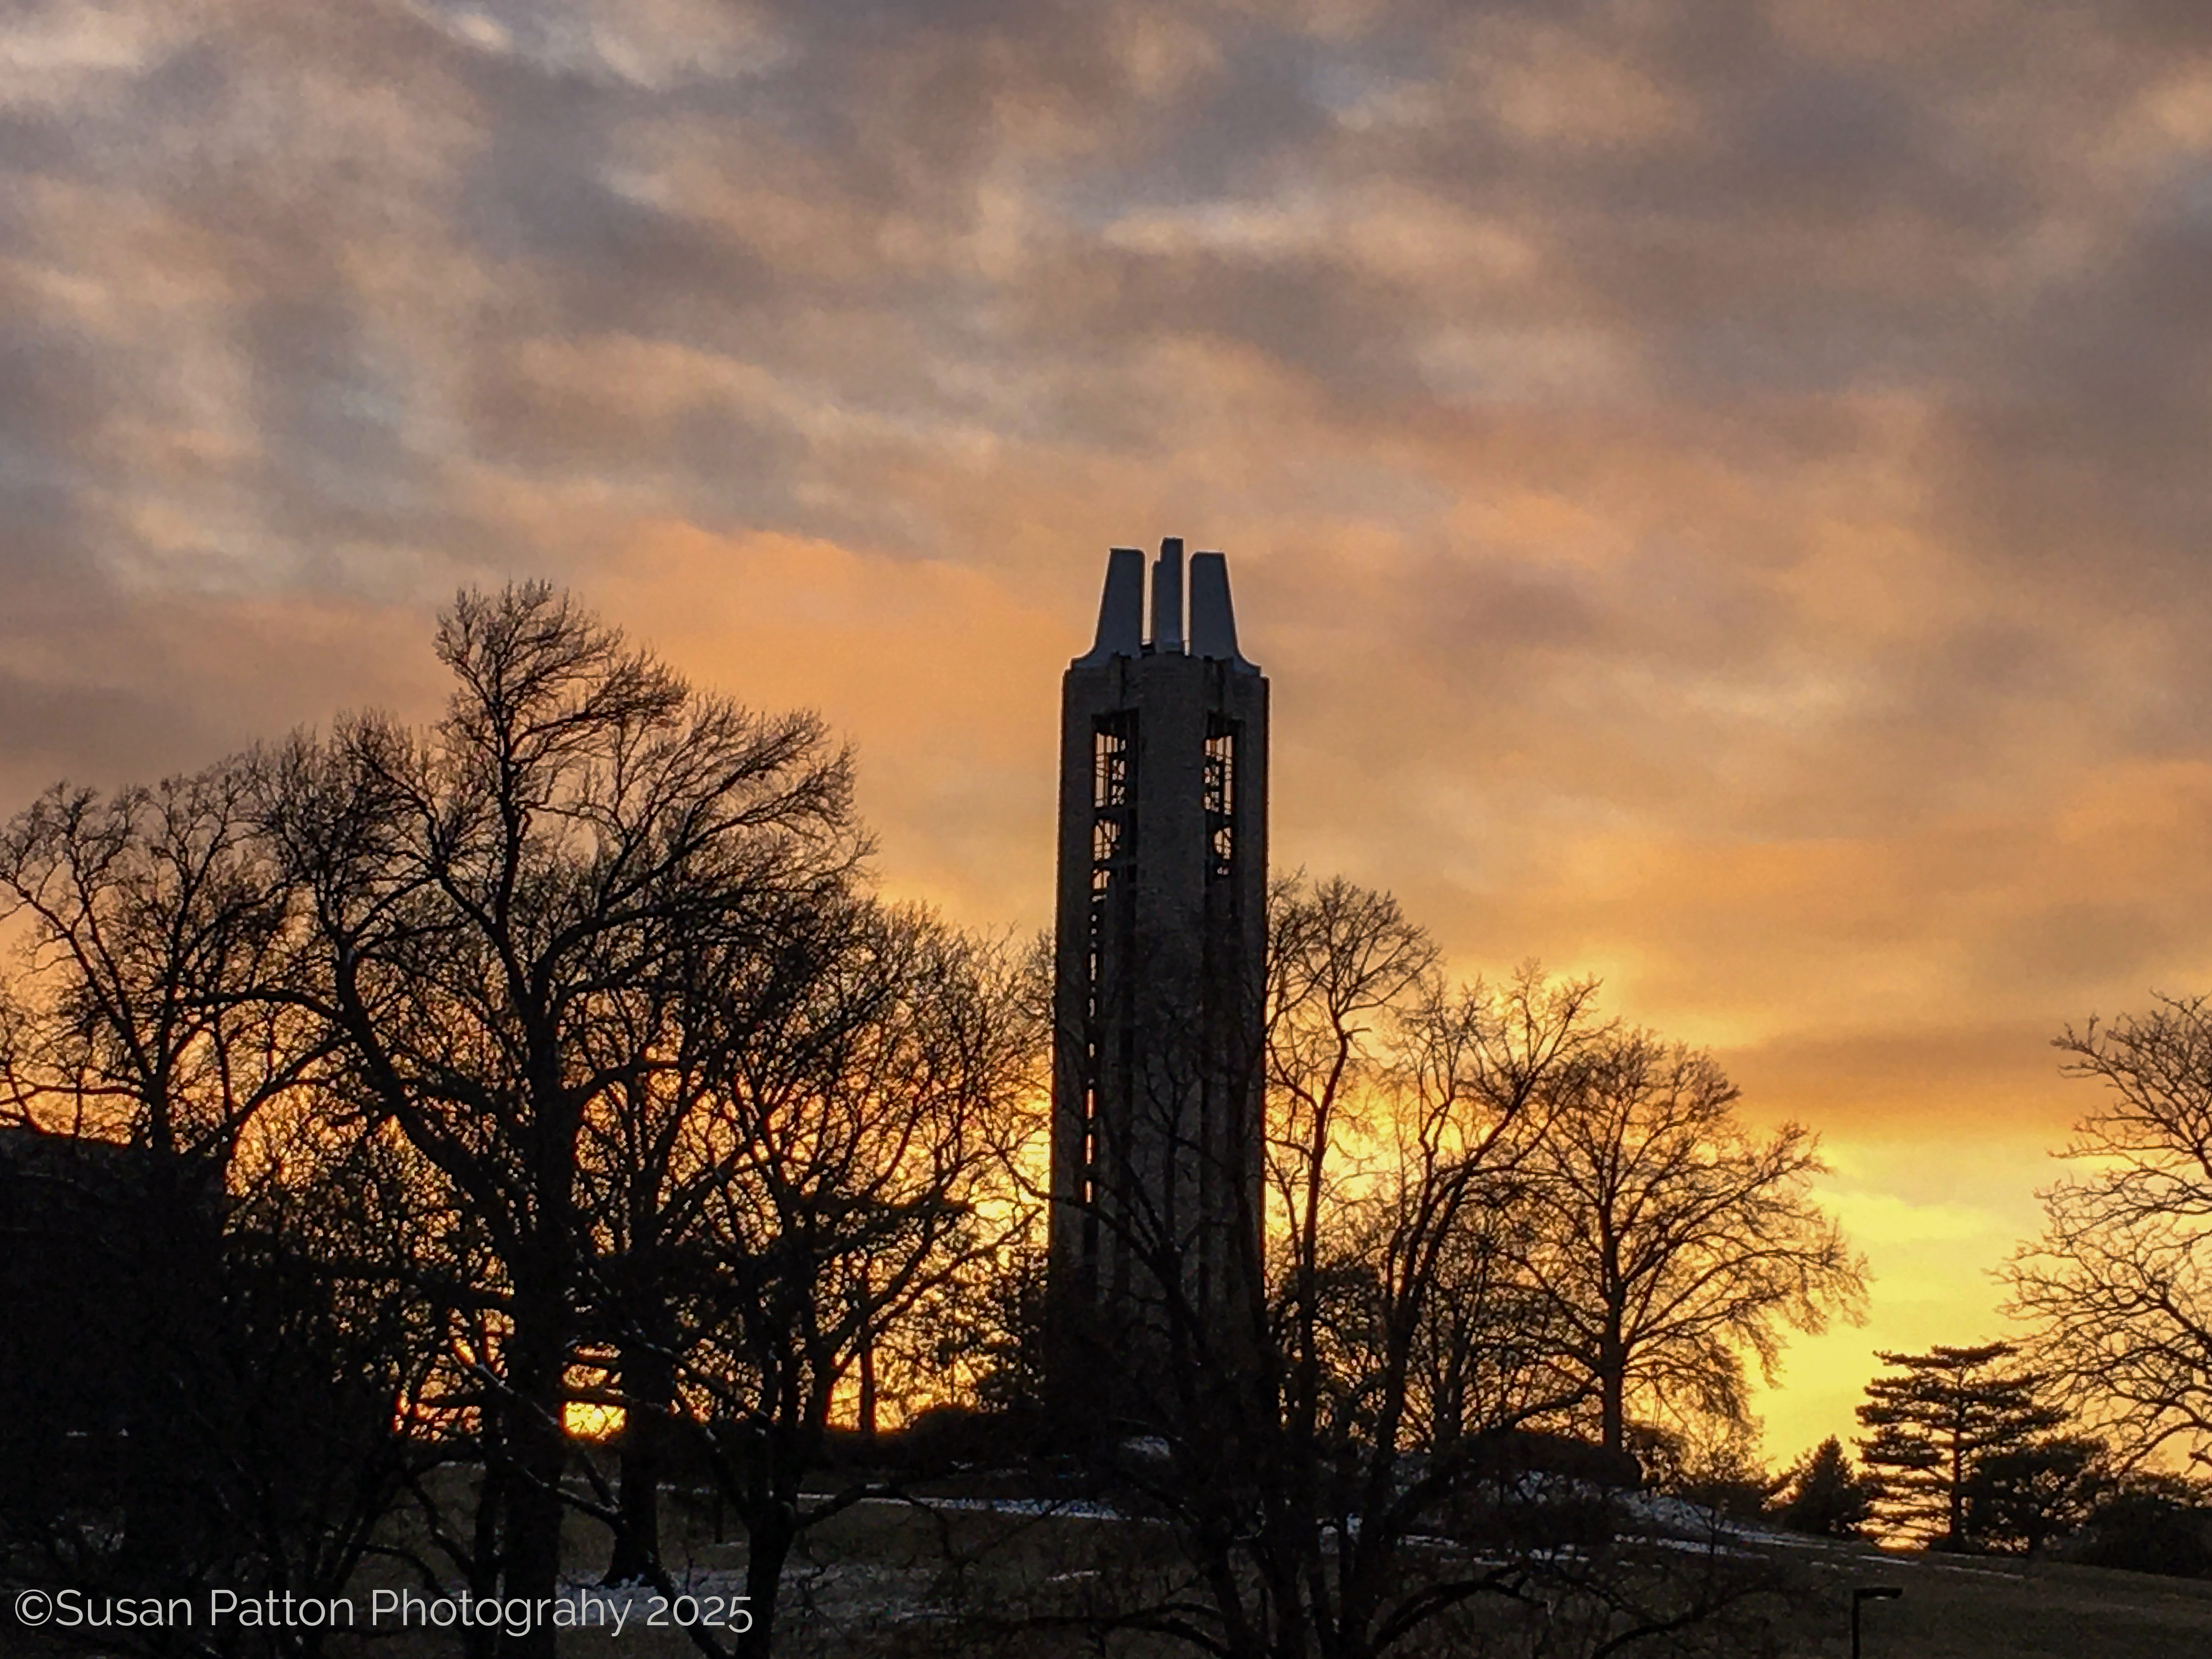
[(1986, 1608)]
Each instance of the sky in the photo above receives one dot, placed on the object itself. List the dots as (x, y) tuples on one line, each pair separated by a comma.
[(1718, 487)]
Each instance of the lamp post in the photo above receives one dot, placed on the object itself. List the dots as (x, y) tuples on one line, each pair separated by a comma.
[(1860, 1595)]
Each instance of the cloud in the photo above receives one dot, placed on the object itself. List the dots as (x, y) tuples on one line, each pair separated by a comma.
[(1724, 443)]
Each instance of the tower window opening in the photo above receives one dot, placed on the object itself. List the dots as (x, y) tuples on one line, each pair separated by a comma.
[(1113, 807), (1221, 799), (1110, 755)]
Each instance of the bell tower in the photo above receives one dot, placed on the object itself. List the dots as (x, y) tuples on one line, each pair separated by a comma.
[(1159, 966)]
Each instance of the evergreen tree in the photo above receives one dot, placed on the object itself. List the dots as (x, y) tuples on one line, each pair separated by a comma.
[(1828, 1496), (2024, 1496), (2149, 1522), (1934, 1430)]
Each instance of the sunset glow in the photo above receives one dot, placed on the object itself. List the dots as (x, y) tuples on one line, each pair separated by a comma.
[(1717, 489)]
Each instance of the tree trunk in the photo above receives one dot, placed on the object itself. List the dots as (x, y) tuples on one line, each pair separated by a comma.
[(1956, 1535), (648, 1384), (867, 1423), (537, 1361), (769, 1534), (484, 1556), (1612, 1390)]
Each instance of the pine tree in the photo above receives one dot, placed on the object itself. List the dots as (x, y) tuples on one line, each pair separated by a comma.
[(1828, 1496), (1936, 1427)]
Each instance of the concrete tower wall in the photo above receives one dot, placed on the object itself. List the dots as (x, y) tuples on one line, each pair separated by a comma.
[(1160, 958)]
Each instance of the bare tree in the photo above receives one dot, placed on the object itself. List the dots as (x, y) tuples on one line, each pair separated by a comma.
[(155, 932), (644, 1176), (1668, 1240), (1485, 1349), (859, 1130), (152, 934), (323, 1361), (1343, 962), (486, 901), (2118, 1290), (251, 1320), (655, 1154)]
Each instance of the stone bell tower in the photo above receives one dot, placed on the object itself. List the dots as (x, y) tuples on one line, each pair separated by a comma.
[(1159, 967)]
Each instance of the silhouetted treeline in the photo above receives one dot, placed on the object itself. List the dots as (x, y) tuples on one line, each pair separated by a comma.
[(384, 1093), (386, 1101)]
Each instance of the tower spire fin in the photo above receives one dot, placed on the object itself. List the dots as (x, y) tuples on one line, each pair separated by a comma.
[(1167, 598), (1121, 609), (1212, 618)]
